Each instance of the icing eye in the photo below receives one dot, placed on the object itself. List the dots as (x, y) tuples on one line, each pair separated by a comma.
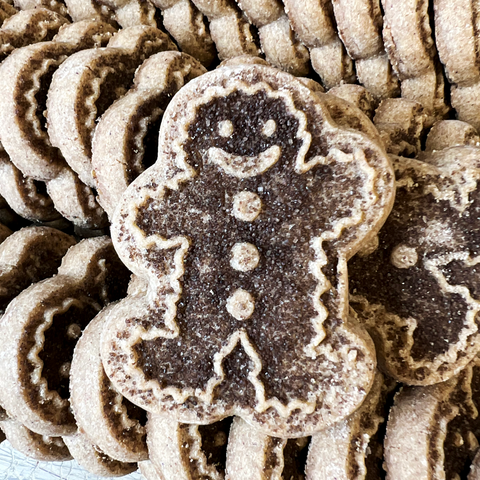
[(403, 256), (225, 128), (241, 304), (269, 128)]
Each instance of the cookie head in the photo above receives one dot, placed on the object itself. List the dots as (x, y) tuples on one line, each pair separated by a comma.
[(242, 229)]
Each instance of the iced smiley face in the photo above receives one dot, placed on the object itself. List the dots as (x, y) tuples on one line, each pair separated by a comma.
[(418, 292), (242, 229)]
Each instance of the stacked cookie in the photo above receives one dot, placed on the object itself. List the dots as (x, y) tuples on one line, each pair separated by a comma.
[(274, 269)]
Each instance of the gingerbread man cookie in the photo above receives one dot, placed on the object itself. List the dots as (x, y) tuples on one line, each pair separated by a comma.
[(40, 328), (92, 459), (109, 421), (87, 83), (187, 452), (126, 137), (27, 27), (34, 445), (416, 288), (27, 197), (233, 231), (432, 432)]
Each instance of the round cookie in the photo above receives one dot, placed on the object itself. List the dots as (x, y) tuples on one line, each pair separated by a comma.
[(278, 42), (39, 447), (314, 23), (6, 11), (359, 24), (92, 459), (109, 421), (27, 27), (466, 102), (456, 38), (417, 291), (28, 256), (230, 32), (451, 133), (23, 194), (187, 25), (357, 95), (125, 140), (432, 431), (57, 6), (241, 176), (88, 10), (87, 83), (131, 12), (400, 123), (187, 452), (40, 328)]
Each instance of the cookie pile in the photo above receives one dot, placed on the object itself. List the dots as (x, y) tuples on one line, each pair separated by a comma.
[(212, 269)]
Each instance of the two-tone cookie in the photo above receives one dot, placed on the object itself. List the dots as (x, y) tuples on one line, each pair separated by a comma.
[(40, 328), (126, 137), (187, 25), (87, 83), (432, 432), (249, 215), (451, 133), (277, 39), (359, 26), (416, 288), (314, 23), (230, 32)]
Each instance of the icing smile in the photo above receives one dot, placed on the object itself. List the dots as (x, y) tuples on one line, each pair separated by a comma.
[(242, 166)]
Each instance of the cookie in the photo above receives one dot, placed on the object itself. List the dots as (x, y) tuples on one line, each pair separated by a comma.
[(187, 25), (278, 42), (457, 40), (416, 289), (428, 89), (27, 27), (28, 256), (92, 459), (4, 232), (353, 449), (357, 95), (148, 470), (230, 32), (109, 421), (39, 447), (25, 196), (6, 11), (129, 13), (465, 101), (451, 133), (314, 23), (89, 10), (41, 327), (57, 6), (432, 431), (359, 24), (87, 83), (244, 173), (253, 454), (126, 137), (401, 124), (411, 49), (190, 452), (25, 76)]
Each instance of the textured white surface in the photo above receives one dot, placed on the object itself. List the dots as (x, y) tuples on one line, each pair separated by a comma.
[(15, 466)]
